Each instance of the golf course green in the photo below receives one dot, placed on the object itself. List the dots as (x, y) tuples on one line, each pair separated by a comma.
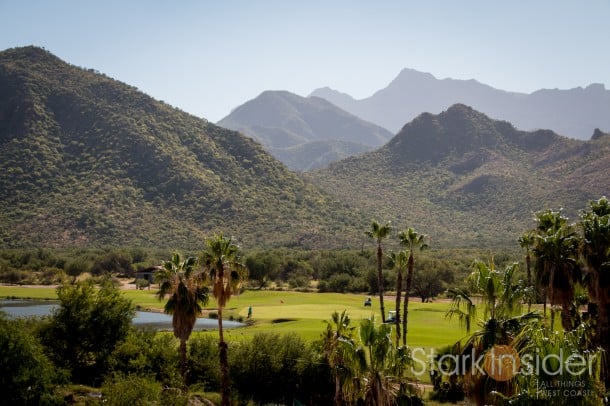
[(303, 313)]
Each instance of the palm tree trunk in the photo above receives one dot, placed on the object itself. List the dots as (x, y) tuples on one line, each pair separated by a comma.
[(406, 305), (529, 280), (603, 334), (552, 296), (398, 299), (337, 390), (380, 280), (183, 360), (224, 362), (544, 295)]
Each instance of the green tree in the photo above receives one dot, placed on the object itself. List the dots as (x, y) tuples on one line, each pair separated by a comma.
[(378, 232), (26, 373), (85, 329), (263, 267), (226, 274), (399, 261), (557, 268), (412, 240), (429, 284), (595, 249), (187, 291)]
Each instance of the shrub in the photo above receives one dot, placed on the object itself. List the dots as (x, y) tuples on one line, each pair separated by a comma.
[(203, 362), (120, 390), (147, 353), (86, 327), (26, 374), (284, 362)]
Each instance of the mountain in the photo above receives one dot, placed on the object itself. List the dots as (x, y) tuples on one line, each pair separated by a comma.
[(468, 180), (573, 113), (88, 160), (304, 133)]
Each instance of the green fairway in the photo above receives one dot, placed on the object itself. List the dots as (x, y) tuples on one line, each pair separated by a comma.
[(27, 292), (296, 312)]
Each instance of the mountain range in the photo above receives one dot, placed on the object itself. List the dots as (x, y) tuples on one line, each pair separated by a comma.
[(304, 133), (466, 179), (88, 160), (573, 113)]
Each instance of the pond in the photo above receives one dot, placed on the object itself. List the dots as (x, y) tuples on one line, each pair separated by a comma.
[(145, 320)]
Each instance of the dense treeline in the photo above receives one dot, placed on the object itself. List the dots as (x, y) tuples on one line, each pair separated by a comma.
[(321, 270)]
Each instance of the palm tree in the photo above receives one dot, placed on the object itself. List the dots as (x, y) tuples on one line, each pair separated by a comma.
[(370, 372), (501, 298), (595, 249), (338, 347), (226, 274), (399, 261), (556, 250), (187, 294), (526, 241), (412, 240), (379, 232), (382, 366)]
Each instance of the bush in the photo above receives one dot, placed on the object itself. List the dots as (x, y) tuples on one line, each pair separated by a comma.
[(113, 262), (147, 353), (203, 362), (142, 284), (120, 390), (285, 363), (86, 327), (27, 376)]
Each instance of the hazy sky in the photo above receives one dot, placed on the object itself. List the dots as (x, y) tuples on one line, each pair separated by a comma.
[(208, 57)]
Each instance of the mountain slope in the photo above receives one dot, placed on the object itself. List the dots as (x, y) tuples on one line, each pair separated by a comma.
[(286, 124), (468, 180), (574, 113), (85, 159)]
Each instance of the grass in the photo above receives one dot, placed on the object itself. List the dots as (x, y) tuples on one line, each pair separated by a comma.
[(21, 292), (296, 312)]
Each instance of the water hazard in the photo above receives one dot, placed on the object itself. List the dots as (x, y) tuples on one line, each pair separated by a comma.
[(145, 320)]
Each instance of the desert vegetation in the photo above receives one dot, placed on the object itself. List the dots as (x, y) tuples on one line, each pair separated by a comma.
[(545, 308)]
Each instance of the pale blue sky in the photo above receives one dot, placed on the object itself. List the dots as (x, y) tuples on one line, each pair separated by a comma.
[(208, 57)]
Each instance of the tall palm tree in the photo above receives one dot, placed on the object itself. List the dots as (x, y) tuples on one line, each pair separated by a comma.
[(556, 250), (412, 240), (595, 249), (526, 241), (187, 292), (226, 274), (399, 261), (378, 232)]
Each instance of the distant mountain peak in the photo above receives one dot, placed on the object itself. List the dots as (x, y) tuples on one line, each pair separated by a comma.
[(598, 134), (571, 112), (458, 130), (300, 131), (408, 74)]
